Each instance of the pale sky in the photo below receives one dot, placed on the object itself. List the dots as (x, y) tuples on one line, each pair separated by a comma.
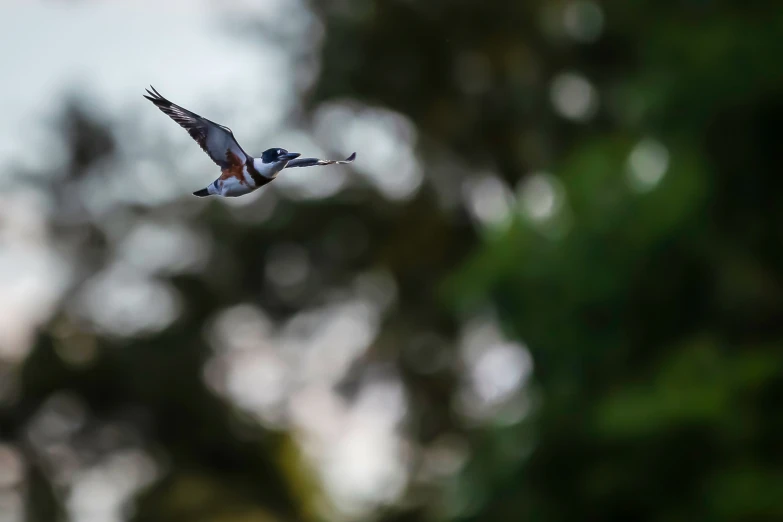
[(113, 50)]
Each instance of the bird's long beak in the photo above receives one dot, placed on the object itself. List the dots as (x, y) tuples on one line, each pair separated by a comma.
[(289, 156)]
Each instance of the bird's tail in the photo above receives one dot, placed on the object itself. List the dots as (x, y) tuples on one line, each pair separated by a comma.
[(201, 193)]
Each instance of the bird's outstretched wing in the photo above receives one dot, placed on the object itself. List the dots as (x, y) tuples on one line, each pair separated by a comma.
[(312, 162), (216, 140)]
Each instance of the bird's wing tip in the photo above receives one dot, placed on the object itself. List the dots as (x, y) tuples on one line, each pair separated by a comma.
[(351, 157), (152, 91)]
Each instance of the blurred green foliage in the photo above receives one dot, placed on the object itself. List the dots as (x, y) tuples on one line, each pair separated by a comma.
[(653, 313)]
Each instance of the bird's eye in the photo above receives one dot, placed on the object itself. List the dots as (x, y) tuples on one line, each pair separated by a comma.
[(279, 151)]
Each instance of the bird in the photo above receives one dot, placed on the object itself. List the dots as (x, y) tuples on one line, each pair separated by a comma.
[(240, 173)]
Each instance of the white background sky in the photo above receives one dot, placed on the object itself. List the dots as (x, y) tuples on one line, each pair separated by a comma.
[(113, 50)]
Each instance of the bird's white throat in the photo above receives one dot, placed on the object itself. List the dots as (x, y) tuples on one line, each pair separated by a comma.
[(268, 170)]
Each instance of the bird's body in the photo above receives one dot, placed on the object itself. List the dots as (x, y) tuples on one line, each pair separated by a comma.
[(240, 172), (240, 178)]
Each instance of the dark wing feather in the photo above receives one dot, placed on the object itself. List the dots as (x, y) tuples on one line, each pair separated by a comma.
[(312, 162), (215, 139)]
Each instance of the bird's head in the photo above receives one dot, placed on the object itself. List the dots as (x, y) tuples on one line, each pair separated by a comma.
[(278, 156)]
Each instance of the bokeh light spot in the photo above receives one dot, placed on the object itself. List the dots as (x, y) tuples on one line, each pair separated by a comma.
[(583, 21), (573, 96), (647, 165), (541, 196)]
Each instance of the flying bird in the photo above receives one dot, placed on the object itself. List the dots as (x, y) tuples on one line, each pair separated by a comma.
[(240, 173)]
